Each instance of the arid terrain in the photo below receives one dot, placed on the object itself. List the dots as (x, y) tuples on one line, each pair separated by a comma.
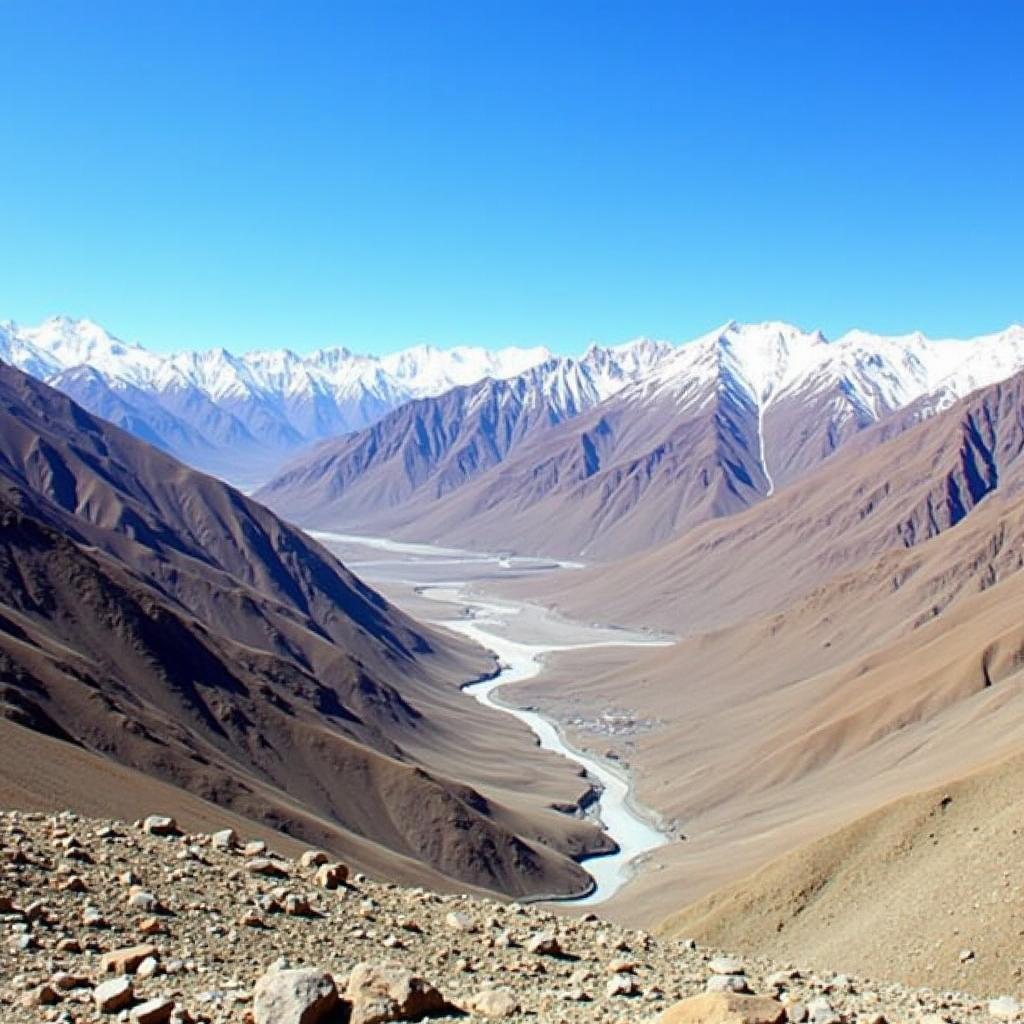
[(100, 917), (809, 692)]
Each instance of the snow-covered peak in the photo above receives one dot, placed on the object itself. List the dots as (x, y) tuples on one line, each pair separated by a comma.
[(615, 366), (17, 350), (69, 342), (426, 370), (764, 358)]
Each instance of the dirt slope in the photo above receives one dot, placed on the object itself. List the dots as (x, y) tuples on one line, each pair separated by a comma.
[(927, 888)]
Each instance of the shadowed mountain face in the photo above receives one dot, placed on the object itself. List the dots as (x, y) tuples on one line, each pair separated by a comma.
[(430, 448), (160, 618)]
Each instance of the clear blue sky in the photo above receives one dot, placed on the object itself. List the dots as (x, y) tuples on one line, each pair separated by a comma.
[(379, 174)]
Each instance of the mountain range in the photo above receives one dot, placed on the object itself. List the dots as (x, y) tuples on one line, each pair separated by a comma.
[(240, 415), (621, 448), (703, 430)]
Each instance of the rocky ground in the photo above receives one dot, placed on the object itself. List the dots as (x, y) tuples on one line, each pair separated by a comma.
[(103, 920)]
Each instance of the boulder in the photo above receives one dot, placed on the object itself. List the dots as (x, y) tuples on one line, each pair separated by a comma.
[(304, 996), (152, 1011), (386, 992), (331, 876), (544, 944), (621, 985), (494, 1003), (724, 1008), (114, 995), (160, 825), (267, 867), (225, 839), (458, 921), (126, 960)]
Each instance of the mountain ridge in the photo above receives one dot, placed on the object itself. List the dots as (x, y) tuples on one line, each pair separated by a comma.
[(704, 431)]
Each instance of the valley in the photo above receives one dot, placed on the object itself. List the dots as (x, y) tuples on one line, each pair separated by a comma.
[(522, 637)]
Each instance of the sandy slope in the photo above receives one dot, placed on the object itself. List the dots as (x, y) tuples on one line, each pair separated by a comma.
[(948, 865)]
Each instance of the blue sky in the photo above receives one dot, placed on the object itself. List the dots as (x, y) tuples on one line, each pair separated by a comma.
[(256, 174)]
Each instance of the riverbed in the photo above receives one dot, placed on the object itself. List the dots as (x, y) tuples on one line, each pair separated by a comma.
[(520, 635)]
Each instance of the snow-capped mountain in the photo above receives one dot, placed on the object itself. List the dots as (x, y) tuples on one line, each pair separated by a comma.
[(701, 430), (779, 399), (240, 415)]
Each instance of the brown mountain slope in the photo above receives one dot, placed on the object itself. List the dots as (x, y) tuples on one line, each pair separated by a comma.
[(629, 474), (160, 618), (392, 470), (896, 485), (832, 658)]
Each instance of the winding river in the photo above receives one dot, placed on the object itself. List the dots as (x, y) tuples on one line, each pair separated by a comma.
[(487, 622)]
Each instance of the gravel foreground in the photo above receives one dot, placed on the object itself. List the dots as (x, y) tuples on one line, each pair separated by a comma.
[(103, 920)]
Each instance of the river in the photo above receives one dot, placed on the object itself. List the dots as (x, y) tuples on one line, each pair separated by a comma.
[(520, 635)]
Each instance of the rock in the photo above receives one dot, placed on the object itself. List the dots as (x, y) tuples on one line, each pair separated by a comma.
[(495, 1003), (266, 866), (144, 901), (148, 968), (152, 1011), (225, 839), (796, 1013), (64, 980), (1004, 1008), (725, 965), (727, 983), (113, 995), (621, 985), (331, 876), (386, 992), (313, 859), (820, 1011), (966, 955), (45, 995), (151, 926), (296, 906), (724, 1008), (459, 922), (304, 996), (92, 918), (620, 966), (160, 825), (544, 944), (255, 848), (127, 959)]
